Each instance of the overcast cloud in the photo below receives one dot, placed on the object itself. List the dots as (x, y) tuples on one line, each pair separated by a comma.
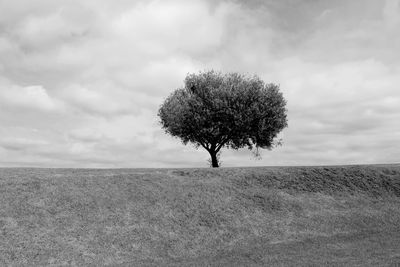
[(81, 81)]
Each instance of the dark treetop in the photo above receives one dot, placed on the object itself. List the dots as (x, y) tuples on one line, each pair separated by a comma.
[(216, 110)]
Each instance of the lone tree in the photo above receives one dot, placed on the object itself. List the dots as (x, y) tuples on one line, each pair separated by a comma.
[(216, 110)]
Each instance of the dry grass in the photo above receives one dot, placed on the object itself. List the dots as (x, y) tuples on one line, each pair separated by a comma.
[(240, 216)]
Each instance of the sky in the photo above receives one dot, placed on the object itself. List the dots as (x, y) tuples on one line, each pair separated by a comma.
[(81, 81)]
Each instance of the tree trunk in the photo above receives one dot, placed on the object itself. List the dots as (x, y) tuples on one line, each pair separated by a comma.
[(214, 159)]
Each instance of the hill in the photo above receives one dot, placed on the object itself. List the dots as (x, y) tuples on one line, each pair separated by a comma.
[(194, 217)]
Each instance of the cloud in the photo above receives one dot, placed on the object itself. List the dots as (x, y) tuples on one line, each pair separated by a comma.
[(349, 108), (169, 25), (81, 82), (33, 97), (86, 135), (20, 143), (98, 100), (391, 13)]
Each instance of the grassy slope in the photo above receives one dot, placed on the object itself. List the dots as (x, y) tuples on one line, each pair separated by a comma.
[(242, 216)]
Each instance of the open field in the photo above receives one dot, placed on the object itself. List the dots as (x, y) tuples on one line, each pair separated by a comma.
[(342, 215)]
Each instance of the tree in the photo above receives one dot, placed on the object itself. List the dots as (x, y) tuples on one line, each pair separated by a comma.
[(215, 110)]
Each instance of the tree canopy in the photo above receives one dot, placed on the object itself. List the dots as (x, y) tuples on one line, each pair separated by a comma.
[(215, 110)]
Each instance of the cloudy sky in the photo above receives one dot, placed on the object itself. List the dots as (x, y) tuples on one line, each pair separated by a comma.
[(81, 81)]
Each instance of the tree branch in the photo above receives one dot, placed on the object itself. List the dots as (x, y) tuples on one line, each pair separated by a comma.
[(204, 145), (222, 144)]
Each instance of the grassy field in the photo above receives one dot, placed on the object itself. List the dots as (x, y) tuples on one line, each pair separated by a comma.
[(280, 216)]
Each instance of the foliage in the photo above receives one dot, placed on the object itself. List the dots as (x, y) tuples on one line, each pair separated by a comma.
[(216, 110)]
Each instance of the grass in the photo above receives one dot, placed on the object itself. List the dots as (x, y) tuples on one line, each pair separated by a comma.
[(284, 216)]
